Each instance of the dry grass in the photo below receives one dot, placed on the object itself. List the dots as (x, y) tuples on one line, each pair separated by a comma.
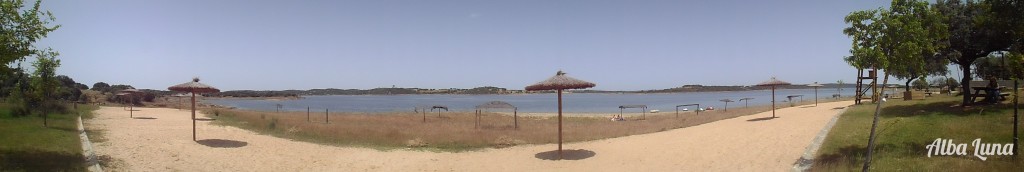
[(456, 131)]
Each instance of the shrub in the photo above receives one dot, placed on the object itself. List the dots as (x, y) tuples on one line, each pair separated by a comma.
[(273, 124), (19, 111), (148, 97)]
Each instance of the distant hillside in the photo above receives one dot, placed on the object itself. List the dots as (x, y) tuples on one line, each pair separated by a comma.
[(702, 88), (484, 90)]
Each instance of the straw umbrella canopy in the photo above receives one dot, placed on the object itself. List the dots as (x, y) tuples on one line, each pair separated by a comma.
[(643, 109), (439, 107), (193, 88), (560, 82), (746, 101), (726, 109), (772, 83), (815, 85), (498, 105), (130, 93)]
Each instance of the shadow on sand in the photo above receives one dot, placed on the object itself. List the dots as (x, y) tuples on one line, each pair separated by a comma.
[(567, 154), (143, 118), (205, 119), (762, 119), (221, 143)]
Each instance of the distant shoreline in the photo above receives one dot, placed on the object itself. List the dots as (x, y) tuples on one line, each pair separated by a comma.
[(298, 94)]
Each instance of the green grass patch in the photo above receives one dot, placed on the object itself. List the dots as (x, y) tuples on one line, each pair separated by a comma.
[(26, 145), (904, 130)]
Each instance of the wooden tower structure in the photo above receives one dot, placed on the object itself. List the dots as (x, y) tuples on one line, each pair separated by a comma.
[(872, 80)]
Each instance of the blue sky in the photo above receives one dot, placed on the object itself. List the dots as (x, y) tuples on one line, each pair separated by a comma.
[(619, 45)]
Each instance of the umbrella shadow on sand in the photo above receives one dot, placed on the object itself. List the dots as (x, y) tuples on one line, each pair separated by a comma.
[(205, 119), (568, 154), (762, 119), (221, 143)]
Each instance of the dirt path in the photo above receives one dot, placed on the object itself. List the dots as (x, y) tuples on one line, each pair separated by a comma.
[(163, 142)]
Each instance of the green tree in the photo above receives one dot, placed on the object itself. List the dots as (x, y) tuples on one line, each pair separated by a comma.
[(1006, 17), (921, 84), (119, 87), (101, 87), (951, 83), (20, 28), (10, 81), (938, 82), (839, 88), (994, 66), (21, 94), (895, 40), (974, 33), (81, 86), (69, 89), (45, 83)]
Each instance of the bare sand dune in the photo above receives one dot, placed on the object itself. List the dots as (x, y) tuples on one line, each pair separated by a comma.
[(160, 140)]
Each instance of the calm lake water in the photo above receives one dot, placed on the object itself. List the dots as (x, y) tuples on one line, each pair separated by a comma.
[(573, 102)]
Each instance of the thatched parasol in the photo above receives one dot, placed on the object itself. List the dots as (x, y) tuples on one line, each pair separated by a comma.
[(193, 88), (726, 109), (130, 93), (746, 101), (439, 107), (790, 99), (815, 85), (498, 105), (773, 82), (560, 82), (696, 104), (643, 109)]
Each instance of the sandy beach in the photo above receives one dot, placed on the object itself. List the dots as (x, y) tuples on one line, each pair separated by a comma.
[(159, 139)]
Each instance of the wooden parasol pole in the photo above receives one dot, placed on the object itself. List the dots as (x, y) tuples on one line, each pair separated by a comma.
[(194, 116), (773, 101), (559, 124), (815, 96)]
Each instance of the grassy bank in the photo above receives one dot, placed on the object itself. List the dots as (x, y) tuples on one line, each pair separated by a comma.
[(455, 131), (26, 145), (906, 127)]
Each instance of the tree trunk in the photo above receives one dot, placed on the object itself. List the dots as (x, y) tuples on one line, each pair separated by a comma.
[(44, 118), (906, 86), (874, 125), (1015, 121), (965, 84)]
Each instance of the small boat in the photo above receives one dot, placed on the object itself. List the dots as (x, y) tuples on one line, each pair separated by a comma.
[(655, 111), (685, 109)]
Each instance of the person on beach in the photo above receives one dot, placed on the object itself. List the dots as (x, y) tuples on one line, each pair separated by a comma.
[(992, 92)]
